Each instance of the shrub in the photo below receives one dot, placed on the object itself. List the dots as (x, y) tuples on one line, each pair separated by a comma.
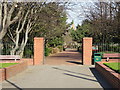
[(55, 50), (28, 53), (48, 51), (60, 48)]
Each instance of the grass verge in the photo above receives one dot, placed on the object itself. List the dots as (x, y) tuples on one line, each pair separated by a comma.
[(113, 66), (3, 65)]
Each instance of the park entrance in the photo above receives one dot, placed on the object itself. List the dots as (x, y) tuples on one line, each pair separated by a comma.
[(35, 53), (69, 56)]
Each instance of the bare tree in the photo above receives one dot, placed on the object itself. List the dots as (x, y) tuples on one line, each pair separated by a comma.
[(102, 17), (24, 26), (7, 17)]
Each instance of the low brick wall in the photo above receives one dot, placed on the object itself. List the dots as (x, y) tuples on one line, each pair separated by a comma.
[(29, 60), (11, 71), (111, 76), (15, 69), (2, 75)]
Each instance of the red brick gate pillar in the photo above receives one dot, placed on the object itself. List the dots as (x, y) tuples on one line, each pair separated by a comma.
[(38, 51), (87, 51)]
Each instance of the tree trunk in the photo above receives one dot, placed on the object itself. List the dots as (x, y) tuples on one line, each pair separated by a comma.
[(6, 17), (13, 51), (1, 47), (24, 42), (0, 17), (18, 31), (21, 49)]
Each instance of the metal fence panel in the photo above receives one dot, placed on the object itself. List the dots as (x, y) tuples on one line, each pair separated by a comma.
[(28, 50), (108, 48)]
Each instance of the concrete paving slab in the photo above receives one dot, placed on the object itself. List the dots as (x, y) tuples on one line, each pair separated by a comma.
[(62, 70), (53, 76)]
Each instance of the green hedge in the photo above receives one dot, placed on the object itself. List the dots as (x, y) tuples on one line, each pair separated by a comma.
[(48, 51)]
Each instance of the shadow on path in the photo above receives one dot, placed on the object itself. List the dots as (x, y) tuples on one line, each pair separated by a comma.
[(66, 57), (96, 74), (100, 79), (71, 50), (80, 77), (75, 62), (17, 87), (72, 72)]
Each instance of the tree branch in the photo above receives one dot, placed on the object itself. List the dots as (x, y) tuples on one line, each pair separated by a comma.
[(5, 15), (24, 20), (0, 16), (10, 13), (17, 16)]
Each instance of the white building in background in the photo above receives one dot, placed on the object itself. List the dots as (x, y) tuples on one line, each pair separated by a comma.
[(68, 39), (73, 26)]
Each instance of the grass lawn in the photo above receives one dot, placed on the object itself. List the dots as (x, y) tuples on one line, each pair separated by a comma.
[(3, 65), (114, 66), (108, 52)]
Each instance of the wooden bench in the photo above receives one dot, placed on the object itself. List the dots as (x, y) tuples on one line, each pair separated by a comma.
[(6, 57), (111, 55)]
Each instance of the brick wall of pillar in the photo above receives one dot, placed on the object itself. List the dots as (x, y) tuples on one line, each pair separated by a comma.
[(38, 51), (87, 51)]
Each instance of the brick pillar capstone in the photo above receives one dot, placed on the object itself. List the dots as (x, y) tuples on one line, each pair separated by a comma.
[(38, 51), (87, 51)]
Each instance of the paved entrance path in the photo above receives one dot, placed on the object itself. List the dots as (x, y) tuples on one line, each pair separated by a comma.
[(58, 76), (68, 57), (62, 76)]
